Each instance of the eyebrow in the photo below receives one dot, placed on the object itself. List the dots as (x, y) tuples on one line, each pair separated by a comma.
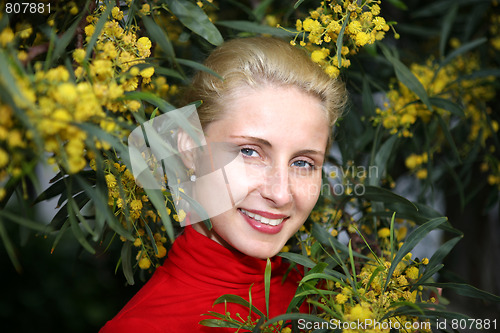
[(268, 144)]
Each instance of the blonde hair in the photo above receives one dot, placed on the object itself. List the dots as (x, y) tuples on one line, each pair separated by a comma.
[(256, 62)]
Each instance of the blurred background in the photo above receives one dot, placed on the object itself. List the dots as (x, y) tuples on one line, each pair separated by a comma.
[(70, 290)]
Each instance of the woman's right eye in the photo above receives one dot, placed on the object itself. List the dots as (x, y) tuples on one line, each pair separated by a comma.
[(249, 152)]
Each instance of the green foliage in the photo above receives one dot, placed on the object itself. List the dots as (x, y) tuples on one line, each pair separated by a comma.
[(423, 108)]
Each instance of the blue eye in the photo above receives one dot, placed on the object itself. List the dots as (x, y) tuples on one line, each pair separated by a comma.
[(249, 152), (303, 164)]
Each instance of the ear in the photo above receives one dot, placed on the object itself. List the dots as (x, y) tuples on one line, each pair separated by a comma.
[(186, 145)]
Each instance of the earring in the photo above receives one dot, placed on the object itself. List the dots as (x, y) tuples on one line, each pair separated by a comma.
[(192, 176)]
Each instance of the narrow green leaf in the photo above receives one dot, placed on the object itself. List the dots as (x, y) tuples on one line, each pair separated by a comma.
[(267, 284), (97, 30), (169, 72), (315, 276), (411, 241), (260, 11), (198, 66), (9, 247), (195, 19), (398, 4), (159, 36), (297, 4), (324, 237), (462, 49), (223, 324), (392, 234), (294, 316), (367, 99), (466, 290), (353, 268), (28, 223), (126, 257), (61, 43), (449, 138), (163, 105), (77, 232), (379, 194), (237, 300), (406, 77), (340, 39), (380, 160), (59, 235), (448, 105), (256, 28), (446, 28)]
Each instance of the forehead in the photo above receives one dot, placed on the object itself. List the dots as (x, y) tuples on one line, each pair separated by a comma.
[(276, 112)]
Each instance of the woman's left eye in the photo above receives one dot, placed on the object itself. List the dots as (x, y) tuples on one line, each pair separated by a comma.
[(249, 152), (303, 164)]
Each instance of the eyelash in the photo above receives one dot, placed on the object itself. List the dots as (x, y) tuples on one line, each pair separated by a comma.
[(311, 165)]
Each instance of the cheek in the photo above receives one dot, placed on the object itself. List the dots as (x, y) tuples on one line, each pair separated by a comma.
[(306, 193)]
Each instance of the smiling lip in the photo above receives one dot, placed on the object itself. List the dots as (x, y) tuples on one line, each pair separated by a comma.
[(262, 227)]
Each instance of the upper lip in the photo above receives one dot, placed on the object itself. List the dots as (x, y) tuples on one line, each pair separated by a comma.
[(267, 215)]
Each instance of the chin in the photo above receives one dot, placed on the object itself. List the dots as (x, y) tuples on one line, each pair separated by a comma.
[(258, 250)]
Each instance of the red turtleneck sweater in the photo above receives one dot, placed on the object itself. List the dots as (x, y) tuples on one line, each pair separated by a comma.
[(197, 271)]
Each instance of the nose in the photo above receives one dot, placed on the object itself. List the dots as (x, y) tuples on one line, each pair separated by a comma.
[(276, 186)]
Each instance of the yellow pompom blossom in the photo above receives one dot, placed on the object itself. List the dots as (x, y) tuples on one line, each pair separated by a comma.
[(323, 26), (136, 213), (384, 232), (112, 69), (403, 109)]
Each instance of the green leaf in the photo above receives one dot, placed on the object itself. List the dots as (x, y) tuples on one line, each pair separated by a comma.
[(194, 18), (237, 300), (126, 257), (297, 4), (407, 78), (446, 28), (411, 241), (169, 72), (261, 9), (324, 237), (66, 38), (9, 247), (448, 105), (28, 223), (380, 160), (198, 66), (267, 284), (449, 138), (75, 228), (379, 194), (466, 290), (462, 49), (340, 39), (223, 323), (97, 30), (294, 316), (316, 276), (159, 36), (151, 98), (398, 4), (256, 28)]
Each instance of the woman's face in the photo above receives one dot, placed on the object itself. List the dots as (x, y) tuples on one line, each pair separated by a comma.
[(281, 134)]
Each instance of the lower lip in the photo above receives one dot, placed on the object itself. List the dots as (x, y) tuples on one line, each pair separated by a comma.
[(261, 227)]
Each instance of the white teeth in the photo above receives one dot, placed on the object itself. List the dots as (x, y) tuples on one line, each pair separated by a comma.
[(261, 219)]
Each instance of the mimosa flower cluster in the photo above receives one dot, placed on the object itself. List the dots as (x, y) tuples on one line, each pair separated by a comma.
[(358, 22), (403, 110)]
